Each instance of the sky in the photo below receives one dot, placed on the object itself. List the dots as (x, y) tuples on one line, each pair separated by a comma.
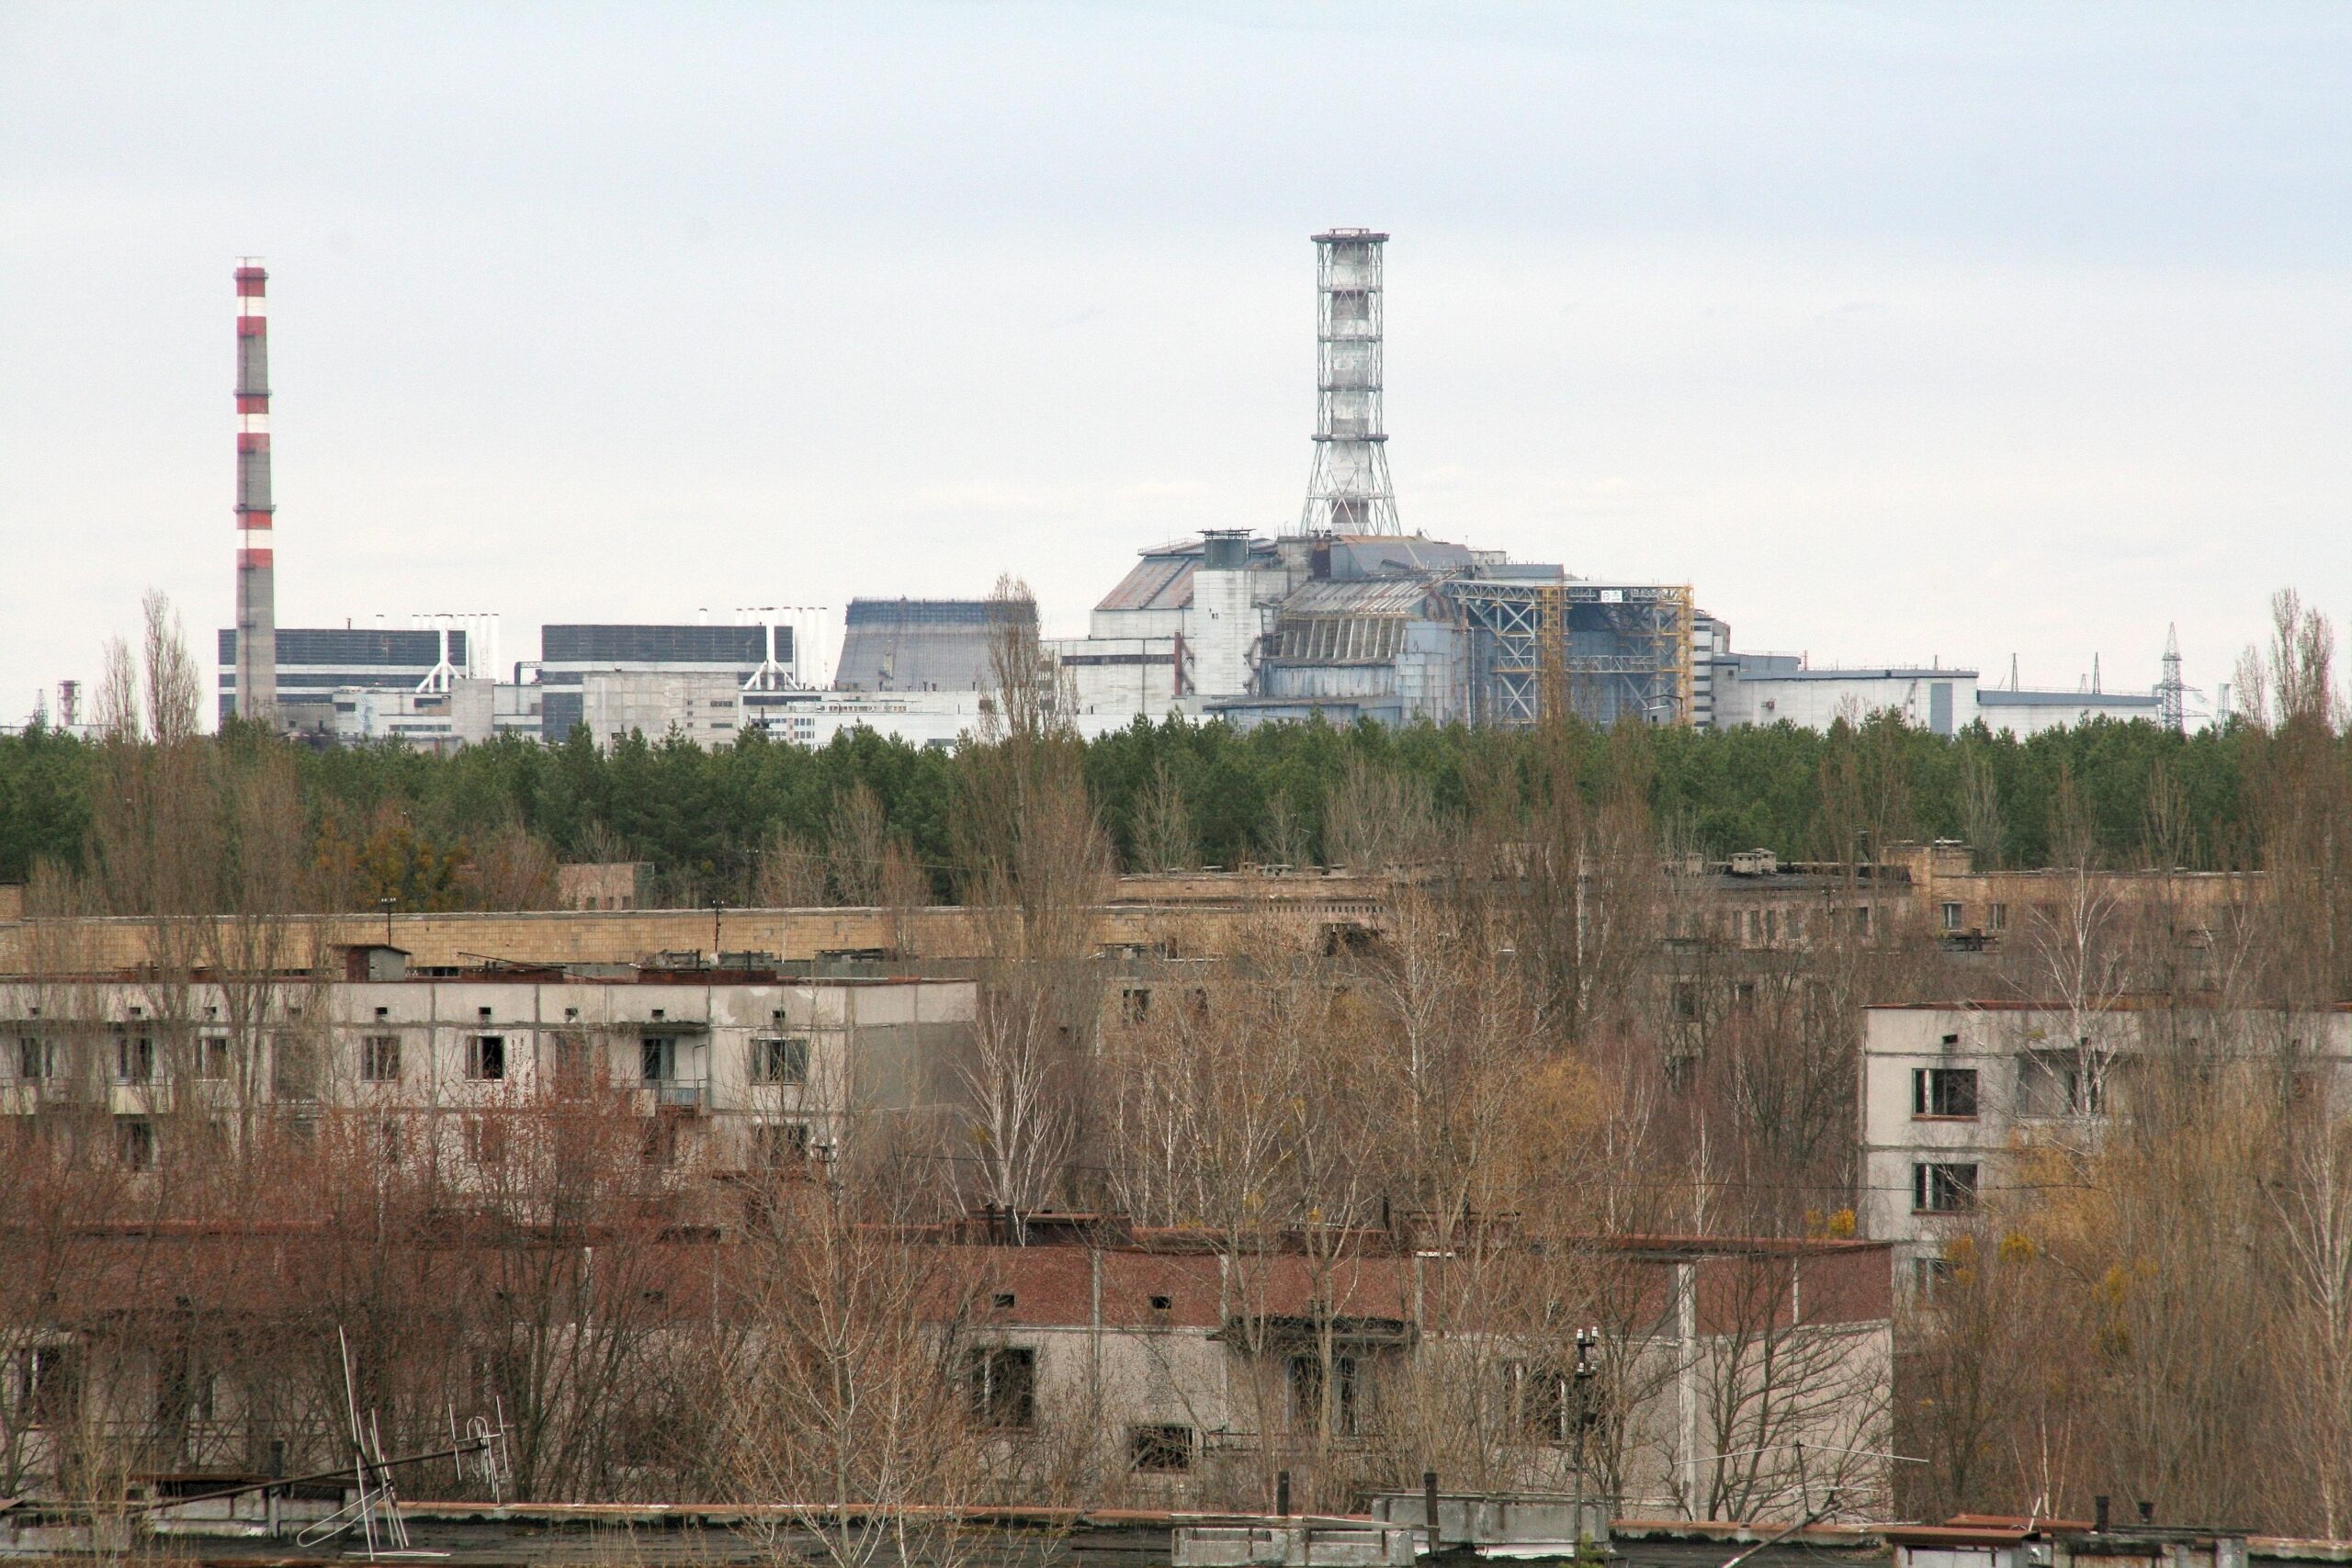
[(1901, 330)]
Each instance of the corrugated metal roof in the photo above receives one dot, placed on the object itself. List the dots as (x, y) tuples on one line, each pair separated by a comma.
[(1154, 582), (1406, 597)]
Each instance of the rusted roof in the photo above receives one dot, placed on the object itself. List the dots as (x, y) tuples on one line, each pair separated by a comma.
[(1156, 583), (1402, 597)]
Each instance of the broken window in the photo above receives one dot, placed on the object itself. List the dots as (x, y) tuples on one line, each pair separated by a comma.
[(379, 1059), (657, 1058), (486, 1057), (779, 1144), (1315, 1403), (49, 1386), (2060, 1083), (1943, 1189), (1160, 1449), (134, 1058), (486, 1142), (212, 1057), (780, 1059), (1002, 1386), (1943, 1091), (134, 1142)]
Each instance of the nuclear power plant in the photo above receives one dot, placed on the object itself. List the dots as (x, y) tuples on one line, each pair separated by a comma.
[(1342, 616)]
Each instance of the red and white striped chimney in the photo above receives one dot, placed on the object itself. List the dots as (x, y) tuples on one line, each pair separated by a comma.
[(256, 586)]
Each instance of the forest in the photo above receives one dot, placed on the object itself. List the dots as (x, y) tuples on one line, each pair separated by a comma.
[(410, 822)]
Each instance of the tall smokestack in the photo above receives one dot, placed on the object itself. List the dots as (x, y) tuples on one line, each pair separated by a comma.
[(256, 585)]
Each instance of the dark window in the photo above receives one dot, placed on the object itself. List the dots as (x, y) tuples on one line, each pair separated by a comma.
[(1943, 1091), (486, 1142), (32, 1058), (486, 1057), (1952, 916), (1161, 1303), (779, 1058), (1308, 1402), (379, 1059), (574, 1065), (1686, 1000), (134, 1058), (49, 1385), (293, 1068), (1134, 1004), (657, 1058), (1929, 1274), (212, 1057), (780, 1143), (134, 1142), (1002, 1301), (1943, 1189), (184, 1386), (1160, 1447), (1547, 1404), (660, 1142), (1003, 1386), (2061, 1083)]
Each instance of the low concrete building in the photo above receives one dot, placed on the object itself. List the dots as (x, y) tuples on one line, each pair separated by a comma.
[(1197, 1366)]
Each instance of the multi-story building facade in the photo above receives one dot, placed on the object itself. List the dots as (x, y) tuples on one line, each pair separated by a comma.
[(738, 1066), (1956, 1098)]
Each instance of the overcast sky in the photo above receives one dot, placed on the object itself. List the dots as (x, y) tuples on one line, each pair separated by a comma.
[(1901, 330)]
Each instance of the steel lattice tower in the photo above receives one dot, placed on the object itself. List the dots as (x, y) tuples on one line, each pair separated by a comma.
[(2172, 693), (256, 571), (1348, 491)]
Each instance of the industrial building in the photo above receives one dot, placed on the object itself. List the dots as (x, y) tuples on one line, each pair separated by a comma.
[(925, 645), (1782, 688), (1347, 616), (648, 677), (314, 666)]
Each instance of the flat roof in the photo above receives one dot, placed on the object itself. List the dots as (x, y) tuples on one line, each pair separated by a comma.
[(2002, 697), (1870, 672)]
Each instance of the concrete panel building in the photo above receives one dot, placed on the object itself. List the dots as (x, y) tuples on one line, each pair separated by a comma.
[(763, 655), (747, 1065), (315, 662), (1957, 1100)]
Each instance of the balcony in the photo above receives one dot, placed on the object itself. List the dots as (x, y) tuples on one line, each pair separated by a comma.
[(674, 1094), (144, 1098)]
